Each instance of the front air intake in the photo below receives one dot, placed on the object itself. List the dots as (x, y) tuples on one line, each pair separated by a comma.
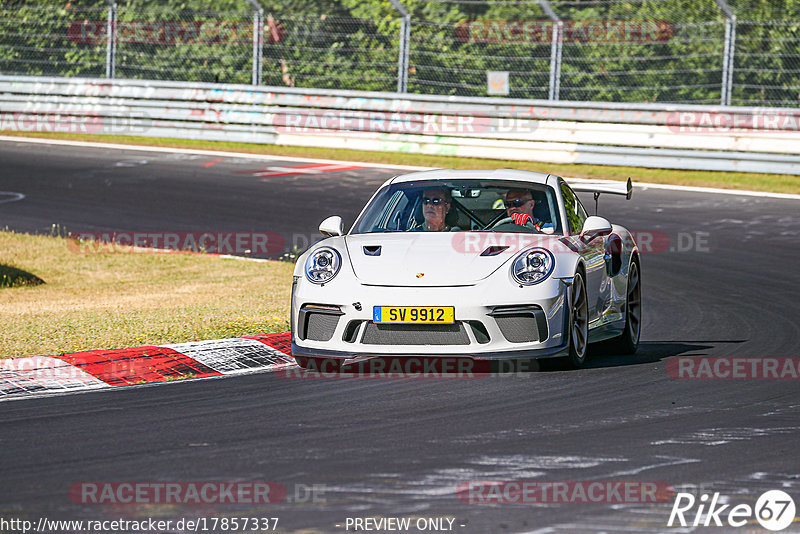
[(320, 326), (415, 334), (318, 322), (521, 324)]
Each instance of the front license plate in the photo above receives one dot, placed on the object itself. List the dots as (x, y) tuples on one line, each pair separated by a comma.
[(414, 314)]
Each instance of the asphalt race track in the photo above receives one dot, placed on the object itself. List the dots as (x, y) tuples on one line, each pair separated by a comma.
[(721, 279)]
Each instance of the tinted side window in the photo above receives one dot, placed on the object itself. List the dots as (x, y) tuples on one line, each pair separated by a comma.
[(575, 212), (582, 215)]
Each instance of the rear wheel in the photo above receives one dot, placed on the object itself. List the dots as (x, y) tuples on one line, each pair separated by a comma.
[(579, 322), (628, 342)]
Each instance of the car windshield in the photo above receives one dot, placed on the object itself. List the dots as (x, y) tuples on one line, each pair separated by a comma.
[(461, 206)]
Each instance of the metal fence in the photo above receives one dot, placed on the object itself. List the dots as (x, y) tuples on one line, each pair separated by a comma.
[(672, 51)]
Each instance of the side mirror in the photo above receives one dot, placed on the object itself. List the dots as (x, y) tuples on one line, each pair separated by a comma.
[(595, 226), (332, 226)]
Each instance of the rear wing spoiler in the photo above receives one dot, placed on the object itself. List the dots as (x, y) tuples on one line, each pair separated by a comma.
[(614, 188), (597, 187)]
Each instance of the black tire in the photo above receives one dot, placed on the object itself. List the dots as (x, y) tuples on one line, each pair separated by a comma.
[(628, 342), (578, 323)]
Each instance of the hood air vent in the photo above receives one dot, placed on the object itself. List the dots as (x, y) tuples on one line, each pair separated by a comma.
[(494, 250)]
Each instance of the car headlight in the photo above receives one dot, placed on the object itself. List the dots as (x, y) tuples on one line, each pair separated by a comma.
[(532, 266), (322, 265)]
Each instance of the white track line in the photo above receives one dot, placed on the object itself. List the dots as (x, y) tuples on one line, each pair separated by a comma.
[(14, 196), (244, 155), (269, 157)]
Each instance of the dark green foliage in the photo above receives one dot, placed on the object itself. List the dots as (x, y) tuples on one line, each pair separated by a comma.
[(13, 277), (354, 44)]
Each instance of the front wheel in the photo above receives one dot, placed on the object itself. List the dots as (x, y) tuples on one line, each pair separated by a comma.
[(579, 323), (628, 342)]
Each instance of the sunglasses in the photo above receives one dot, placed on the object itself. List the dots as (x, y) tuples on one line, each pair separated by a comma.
[(517, 203), (435, 201)]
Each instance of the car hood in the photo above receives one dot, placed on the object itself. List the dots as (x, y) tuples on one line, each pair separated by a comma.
[(424, 259)]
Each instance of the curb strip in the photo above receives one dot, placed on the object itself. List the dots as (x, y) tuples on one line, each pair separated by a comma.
[(97, 369)]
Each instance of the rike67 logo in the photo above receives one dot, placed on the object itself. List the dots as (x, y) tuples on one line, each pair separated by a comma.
[(774, 510)]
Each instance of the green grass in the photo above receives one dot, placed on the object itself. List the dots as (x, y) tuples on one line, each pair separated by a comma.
[(109, 300), (778, 183)]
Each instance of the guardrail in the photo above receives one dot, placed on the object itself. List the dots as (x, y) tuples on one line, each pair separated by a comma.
[(716, 138)]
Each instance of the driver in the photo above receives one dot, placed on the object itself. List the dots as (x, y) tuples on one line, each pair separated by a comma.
[(519, 205)]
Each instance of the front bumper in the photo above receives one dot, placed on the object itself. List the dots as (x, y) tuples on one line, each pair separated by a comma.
[(494, 320), (555, 352)]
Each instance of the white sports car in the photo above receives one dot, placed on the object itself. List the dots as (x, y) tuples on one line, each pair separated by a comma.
[(487, 264)]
